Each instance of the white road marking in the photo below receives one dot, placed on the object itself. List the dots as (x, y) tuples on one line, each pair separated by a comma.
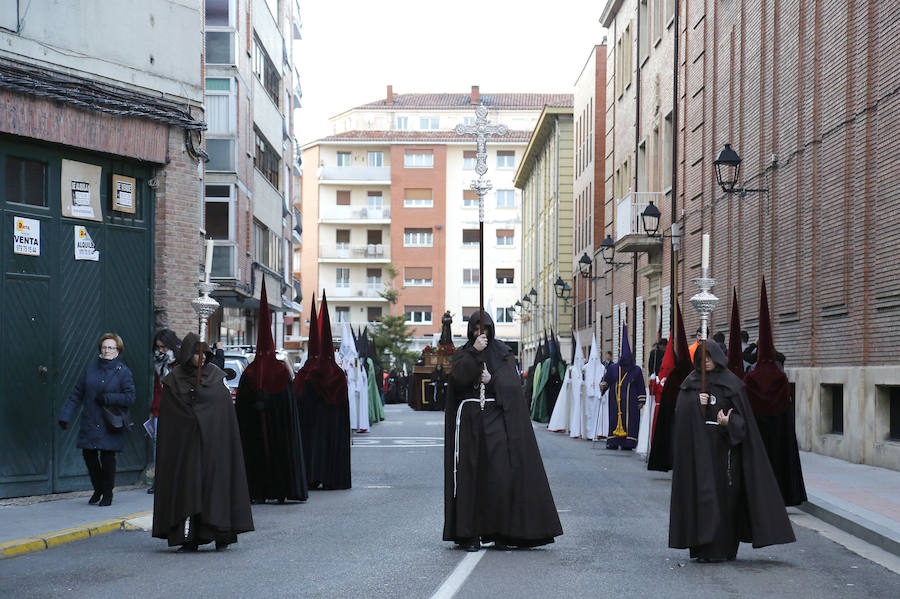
[(459, 575), (398, 442)]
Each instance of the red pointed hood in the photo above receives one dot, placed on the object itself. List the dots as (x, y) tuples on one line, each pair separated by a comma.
[(735, 352), (668, 362), (266, 371), (329, 379), (682, 351), (768, 387), (311, 366)]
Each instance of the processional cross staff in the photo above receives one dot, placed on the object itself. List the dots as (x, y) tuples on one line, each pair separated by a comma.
[(704, 302), (481, 130)]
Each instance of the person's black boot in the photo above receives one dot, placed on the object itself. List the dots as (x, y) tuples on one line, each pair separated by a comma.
[(187, 548), (95, 497), (94, 472), (107, 476), (473, 544)]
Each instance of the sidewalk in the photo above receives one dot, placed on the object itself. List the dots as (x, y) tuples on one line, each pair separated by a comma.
[(861, 500), (34, 523)]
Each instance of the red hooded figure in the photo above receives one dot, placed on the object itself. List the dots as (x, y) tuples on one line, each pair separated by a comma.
[(735, 352)]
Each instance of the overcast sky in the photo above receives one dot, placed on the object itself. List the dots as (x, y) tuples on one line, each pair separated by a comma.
[(353, 49)]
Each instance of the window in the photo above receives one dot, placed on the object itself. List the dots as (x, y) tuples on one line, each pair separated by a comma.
[(373, 313), (429, 122), (417, 198), (833, 408), (506, 198), (417, 238), (505, 237), (470, 198), (418, 159), (504, 315), (471, 276), (219, 216), (417, 276), (656, 23), (343, 158), (373, 278), (342, 314), (670, 10), (470, 237), (219, 47), (402, 123), (221, 107), (342, 239), (343, 197), (468, 120), (469, 159), (266, 160), (265, 71), (506, 276), (269, 247), (375, 159), (894, 418), (342, 277), (218, 13), (667, 152), (26, 181), (374, 236), (643, 37), (506, 159), (221, 155), (418, 314), (468, 312), (374, 200)]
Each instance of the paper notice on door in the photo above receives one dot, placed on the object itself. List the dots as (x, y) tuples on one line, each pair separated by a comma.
[(26, 236), (84, 245)]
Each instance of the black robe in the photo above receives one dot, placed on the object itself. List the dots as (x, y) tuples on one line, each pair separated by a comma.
[(270, 435), (199, 464), (723, 489), (325, 429), (497, 490), (780, 440)]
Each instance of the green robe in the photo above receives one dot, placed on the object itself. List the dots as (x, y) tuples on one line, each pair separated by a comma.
[(539, 411), (376, 409)]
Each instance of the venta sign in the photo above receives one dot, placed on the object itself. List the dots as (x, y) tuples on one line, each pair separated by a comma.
[(26, 236)]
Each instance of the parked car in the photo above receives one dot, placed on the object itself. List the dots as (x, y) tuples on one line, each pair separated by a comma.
[(238, 366)]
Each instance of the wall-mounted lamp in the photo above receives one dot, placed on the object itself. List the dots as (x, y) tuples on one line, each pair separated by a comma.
[(608, 252), (650, 221), (728, 170), (563, 291)]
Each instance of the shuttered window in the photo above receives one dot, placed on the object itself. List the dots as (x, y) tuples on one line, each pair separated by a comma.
[(343, 198)]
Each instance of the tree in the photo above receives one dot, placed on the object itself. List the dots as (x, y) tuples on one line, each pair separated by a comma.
[(390, 333)]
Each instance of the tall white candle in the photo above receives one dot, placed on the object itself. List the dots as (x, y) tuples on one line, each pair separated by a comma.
[(705, 256), (209, 255)]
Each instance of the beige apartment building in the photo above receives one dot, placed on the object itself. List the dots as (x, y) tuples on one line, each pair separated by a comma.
[(390, 187)]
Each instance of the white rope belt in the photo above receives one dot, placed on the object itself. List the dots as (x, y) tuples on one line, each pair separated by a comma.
[(456, 436)]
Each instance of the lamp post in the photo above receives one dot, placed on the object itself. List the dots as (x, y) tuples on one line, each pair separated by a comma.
[(728, 171), (563, 291)]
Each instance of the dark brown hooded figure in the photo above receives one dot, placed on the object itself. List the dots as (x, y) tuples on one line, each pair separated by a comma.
[(269, 421), (201, 485), (769, 392), (321, 391), (495, 487), (723, 489)]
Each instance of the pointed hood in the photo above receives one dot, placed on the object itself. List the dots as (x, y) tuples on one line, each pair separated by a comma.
[(347, 350), (668, 361), (578, 357), (266, 371), (363, 344), (332, 379), (768, 387), (626, 358), (682, 351), (735, 353), (556, 354), (311, 366), (355, 340)]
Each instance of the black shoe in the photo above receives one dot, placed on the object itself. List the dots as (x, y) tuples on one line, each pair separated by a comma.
[(499, 546), (151, 490), (187, 548), (220, 546), (107, 500), (471, 545), (95, 497)]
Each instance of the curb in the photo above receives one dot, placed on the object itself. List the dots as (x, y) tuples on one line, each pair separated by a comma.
[(67, 535), (854, 524)]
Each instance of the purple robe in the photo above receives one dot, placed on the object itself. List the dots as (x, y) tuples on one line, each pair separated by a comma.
[(627, 393)]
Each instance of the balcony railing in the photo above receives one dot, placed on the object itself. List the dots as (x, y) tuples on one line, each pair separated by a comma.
[(361, 174), (359, 291), (347, 213), (372, 251), (628, 211), (630, 234)]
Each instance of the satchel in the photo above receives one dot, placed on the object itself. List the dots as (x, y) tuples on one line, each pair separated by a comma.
[(115, 417)]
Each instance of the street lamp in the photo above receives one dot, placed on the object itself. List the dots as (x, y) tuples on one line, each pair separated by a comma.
[(650, 219), (728, 170), (563, 291), (608, 252)]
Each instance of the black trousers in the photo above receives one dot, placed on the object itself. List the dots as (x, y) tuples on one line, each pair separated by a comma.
[(101, 469)]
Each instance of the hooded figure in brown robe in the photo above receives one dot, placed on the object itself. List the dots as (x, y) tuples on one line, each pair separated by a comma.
[(495, 487), (723, 489), (201, 485)]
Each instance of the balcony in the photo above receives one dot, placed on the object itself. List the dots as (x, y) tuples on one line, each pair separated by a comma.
[(367, 215), (629, 233), (355, 293), (345, 253), (359, 175)]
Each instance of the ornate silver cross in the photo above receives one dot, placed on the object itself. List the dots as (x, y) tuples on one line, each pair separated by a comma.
[(481, 130)]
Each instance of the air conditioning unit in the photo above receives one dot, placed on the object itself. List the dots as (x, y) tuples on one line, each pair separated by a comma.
[(359, 293)]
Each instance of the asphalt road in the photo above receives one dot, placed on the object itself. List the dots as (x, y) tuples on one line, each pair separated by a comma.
[(382, 538)]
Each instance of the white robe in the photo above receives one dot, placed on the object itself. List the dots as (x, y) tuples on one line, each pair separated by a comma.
[(577, 413), (597, 404), (559, 420)]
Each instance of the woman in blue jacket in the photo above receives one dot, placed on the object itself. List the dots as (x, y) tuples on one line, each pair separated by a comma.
[(106, 383)]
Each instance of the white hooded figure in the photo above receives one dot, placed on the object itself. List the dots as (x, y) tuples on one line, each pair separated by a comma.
[(559, 419), (597, 406), (348, 359), (577, 404)]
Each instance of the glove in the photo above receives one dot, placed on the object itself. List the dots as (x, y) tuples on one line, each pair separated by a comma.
[(63, 424)]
